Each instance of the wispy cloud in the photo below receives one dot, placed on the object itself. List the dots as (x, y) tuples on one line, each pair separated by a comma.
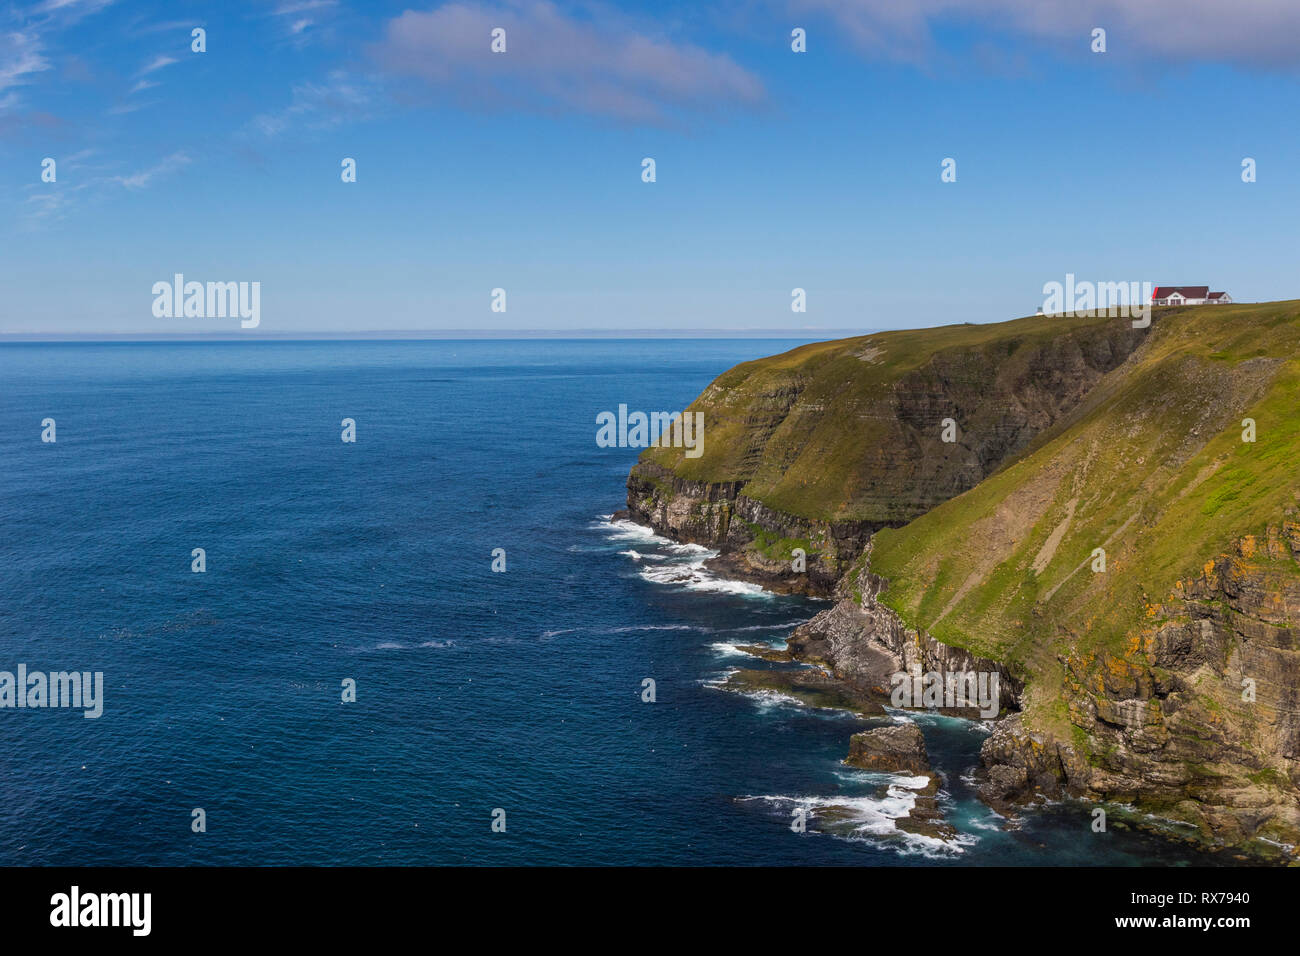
[(303, 6), (122, 109), (339, 99), (554, 61), (21, 55), (296, 7), (141, 179), (153, 66), (299, 16), (166, 26), (70, 8), (48, 204), (157, 63)]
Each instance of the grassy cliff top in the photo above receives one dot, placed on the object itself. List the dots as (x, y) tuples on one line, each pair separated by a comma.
[(1152, 468), (849, 429)]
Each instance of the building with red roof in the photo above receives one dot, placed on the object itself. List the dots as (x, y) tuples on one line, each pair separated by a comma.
[(1188, 295)]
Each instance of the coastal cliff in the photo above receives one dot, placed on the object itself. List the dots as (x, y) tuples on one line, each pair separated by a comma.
[(1113, 532), (821, 447)]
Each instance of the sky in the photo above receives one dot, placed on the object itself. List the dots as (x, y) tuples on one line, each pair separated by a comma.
[(522, 170)]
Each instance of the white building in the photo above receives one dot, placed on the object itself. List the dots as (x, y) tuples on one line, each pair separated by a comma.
[(1188, 295)]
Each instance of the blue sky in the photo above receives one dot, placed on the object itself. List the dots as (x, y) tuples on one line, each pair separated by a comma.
[(522, 170)]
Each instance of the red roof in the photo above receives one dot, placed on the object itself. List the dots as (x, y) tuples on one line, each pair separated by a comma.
[(1186, 291)]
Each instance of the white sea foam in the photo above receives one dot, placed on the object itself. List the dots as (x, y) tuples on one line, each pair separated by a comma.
[(653, 627), (718, 680), (770, 699), (630, 629), (764, 627), (680, 565), (767, 699), (397, 646), (623, 530), (870, 819), (693, 576), (730, 650), (679, 548)]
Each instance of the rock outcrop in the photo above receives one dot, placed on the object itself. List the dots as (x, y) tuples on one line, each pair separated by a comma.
[(896, 748)]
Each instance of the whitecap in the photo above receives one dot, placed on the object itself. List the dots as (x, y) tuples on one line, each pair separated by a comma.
[(653, 627)]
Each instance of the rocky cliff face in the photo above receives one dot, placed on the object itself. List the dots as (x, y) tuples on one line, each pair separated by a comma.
[(1198, 720), (719, 515), (998, 396), (865, 644)]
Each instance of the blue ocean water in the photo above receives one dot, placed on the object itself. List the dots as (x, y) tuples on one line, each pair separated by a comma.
[(372, 561)]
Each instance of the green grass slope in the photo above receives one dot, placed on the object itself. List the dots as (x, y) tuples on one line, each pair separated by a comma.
[(1152, 468), (833, 430)]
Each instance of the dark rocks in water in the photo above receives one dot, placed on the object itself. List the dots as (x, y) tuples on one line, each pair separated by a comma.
[(895, 748), (766, 652), (769, 573), (900, 748), (865, 644), (809, 685), (926, 818)]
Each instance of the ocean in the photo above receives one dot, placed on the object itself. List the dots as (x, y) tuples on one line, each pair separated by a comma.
[(480, 695)]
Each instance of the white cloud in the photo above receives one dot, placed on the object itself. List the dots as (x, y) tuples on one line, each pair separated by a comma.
[(601, 66), (1248, 32)]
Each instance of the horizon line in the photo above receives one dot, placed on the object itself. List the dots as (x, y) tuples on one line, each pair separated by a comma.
[(383, 335)]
